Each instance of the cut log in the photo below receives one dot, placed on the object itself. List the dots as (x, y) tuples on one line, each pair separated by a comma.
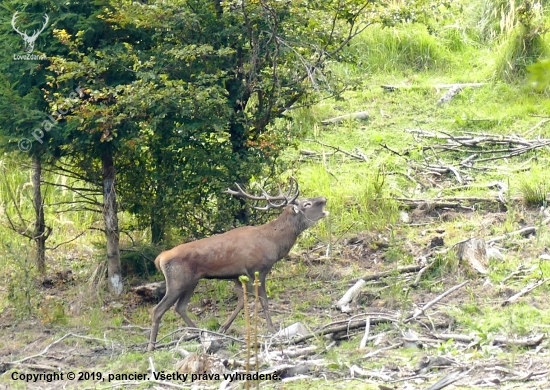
[(350, 295), (474, 251), (151, 292)]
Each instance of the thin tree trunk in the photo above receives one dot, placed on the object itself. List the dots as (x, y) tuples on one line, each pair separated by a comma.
[(114, 269), (39, 234)]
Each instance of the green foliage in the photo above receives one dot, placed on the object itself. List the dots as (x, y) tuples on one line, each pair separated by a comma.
[(19, 277), (539, 74), (187, 110)]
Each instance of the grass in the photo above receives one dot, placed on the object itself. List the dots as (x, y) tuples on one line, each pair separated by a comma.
[(362, 204)]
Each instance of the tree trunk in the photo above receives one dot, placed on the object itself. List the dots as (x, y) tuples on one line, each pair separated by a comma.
[(114, 269), (158, 210), (40, 235), (158, 227)]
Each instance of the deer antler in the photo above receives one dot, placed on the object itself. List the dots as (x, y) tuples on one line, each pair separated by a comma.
[(282, 199), (13, 19), (36, 33)]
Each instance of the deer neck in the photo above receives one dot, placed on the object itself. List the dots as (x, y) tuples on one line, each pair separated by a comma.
[(285, 230)]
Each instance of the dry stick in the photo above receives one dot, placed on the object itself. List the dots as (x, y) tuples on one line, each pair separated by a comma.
[(398, 271), (526, 342), (337, 149), (199, 330), (341, 328), (514, 154), (421, 273), (542, 122), (58, 341), (420, 311), (526, 290), (447, 380), (461, 338), (365, 338), (373, 353), (37, 367), (350, 295), (526, 231)]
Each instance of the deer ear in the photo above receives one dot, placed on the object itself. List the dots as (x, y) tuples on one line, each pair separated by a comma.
[(296, 209)]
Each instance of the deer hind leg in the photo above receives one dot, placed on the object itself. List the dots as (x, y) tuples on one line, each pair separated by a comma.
[(240, 305), (263, 300), (181, 306), (166, 303)]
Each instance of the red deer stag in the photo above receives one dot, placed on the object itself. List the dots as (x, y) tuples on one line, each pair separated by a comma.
[(241, 251)]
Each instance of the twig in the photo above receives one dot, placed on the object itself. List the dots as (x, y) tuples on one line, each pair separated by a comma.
[(37, 367), (365, 338), (203, 330), (66, 242), (421, 310), (526, 290), (398, 271), (360, 157), (58, 341), (526, 231), (374, 353), (421, 273), (525, 342), (447, 380), (336, 329)]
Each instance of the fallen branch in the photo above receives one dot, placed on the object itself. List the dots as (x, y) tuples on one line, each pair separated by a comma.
[(526, 231), (374, 353), (350, 295), (342, 328), (358, 156), (525, 342), (498, 340), (369, 374), (397, 271), (421, 310), (4, 366), (365, 338), (447, 96), (447, 380), (57, 342), (526, 290), (341, 118)]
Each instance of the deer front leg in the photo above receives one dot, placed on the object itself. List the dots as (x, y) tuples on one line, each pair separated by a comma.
[(240, 305)]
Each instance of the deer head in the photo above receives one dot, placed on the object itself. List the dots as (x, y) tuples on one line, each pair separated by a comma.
[(29, 40)]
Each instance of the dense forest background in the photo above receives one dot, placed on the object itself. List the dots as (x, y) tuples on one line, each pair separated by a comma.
[(424, 123)]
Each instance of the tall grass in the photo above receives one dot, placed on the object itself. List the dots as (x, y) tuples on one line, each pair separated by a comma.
[(497, 18), (358, 200), (407, 47), (521, 49)]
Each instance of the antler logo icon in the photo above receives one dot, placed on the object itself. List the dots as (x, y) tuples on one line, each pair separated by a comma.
[(29, 40)]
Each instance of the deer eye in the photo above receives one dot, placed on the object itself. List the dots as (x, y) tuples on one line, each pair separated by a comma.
[(307, 204)]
